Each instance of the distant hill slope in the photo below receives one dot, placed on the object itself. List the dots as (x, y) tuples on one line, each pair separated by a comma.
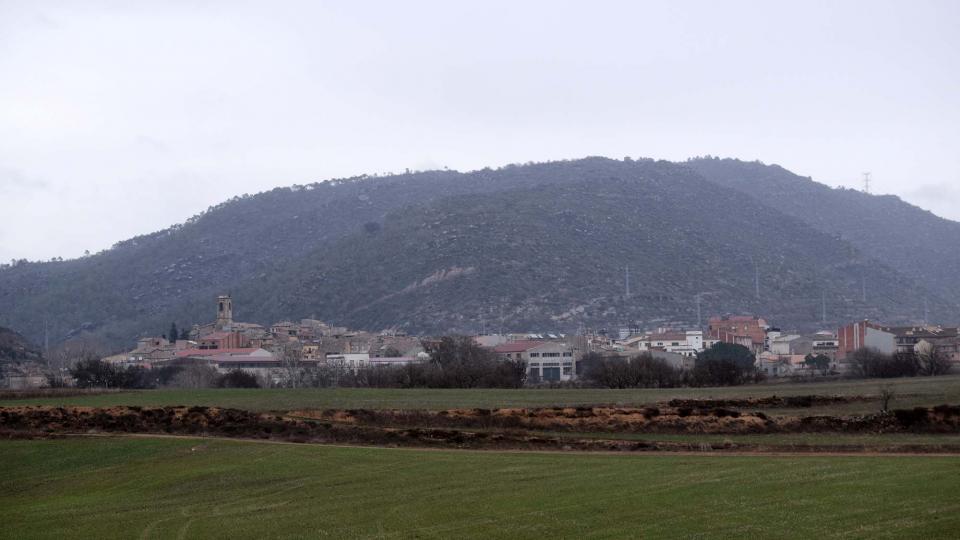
[(555, 256), (911, 240), (15, 347), (546, 245)]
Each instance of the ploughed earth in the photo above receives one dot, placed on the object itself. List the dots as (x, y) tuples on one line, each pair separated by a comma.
[(600, 428)]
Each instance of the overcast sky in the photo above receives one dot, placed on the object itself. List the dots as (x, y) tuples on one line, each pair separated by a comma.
[(122, 118)]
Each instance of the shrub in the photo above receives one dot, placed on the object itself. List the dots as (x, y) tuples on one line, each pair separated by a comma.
[(237, 379), (872, 363), (642, 370)]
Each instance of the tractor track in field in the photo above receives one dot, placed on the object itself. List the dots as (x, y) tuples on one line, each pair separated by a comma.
[(704, 453)]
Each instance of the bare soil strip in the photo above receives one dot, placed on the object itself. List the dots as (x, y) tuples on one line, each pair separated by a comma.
[(520, 429)]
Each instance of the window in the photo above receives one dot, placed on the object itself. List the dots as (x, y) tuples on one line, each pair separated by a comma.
[(567, 370), (568, 354), (551, 373), (534, 355)]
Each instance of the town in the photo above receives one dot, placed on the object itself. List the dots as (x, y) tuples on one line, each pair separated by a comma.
[(283, 353)]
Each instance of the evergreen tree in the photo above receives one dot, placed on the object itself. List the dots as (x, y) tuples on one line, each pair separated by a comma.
[(173, 333)]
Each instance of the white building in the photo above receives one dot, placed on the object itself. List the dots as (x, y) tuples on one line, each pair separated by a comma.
[(687, 343), (546, 360)]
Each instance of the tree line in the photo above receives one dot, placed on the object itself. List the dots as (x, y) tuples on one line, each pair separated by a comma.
[(723, 364)]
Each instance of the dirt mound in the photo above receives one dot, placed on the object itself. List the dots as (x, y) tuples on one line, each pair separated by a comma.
[(462, 428), (20, 422), (679, 420), (768, 402), (566, 419)]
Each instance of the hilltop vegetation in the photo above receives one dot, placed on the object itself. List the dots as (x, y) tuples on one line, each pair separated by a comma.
[(542, 246)]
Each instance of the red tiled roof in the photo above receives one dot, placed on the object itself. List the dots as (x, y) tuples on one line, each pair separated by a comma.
[(215, 352)]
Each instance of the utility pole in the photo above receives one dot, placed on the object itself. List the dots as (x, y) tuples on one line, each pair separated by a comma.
[(627, 280), (926, 312), (46, 339), (756, 279), (823, 307), (866, 183), (863, 284), (699, 318)]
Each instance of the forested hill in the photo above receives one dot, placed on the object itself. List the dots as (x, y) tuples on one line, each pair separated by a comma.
[(909, 239), (542, 246)]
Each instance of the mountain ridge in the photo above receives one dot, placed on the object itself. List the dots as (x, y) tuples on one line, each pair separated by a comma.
[(268, 241)]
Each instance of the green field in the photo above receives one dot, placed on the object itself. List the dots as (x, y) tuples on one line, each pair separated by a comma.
[(916, 391), (203, 488)]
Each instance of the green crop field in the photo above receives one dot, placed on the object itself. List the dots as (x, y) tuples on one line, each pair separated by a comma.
[(910, 392), (205, 488)]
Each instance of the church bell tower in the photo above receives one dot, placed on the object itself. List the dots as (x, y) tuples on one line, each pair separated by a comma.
[(224, 311)]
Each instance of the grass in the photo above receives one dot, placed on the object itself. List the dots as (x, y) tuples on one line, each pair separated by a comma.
[(165, 488), (911, 392)]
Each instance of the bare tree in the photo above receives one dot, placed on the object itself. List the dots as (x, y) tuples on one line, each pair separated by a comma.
[(932, 360), (67, 354), (290, 355), (197, 375), (886, 396)]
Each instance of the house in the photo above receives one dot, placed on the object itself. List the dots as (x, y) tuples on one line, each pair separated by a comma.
[(490, 340), (791, 344), (223, 340), (21, 375), (546, 360), (687, 343), (285, 329), (746, 330), (824, 343), (396, 361), (259, 362), (924, 339), (350, 361), (210, 353), (772, 364), (865, 334), (386, 345)]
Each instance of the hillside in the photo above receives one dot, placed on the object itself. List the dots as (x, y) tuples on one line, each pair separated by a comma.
[(554, 256), (536, 246), (910, 240), (14, 347)]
